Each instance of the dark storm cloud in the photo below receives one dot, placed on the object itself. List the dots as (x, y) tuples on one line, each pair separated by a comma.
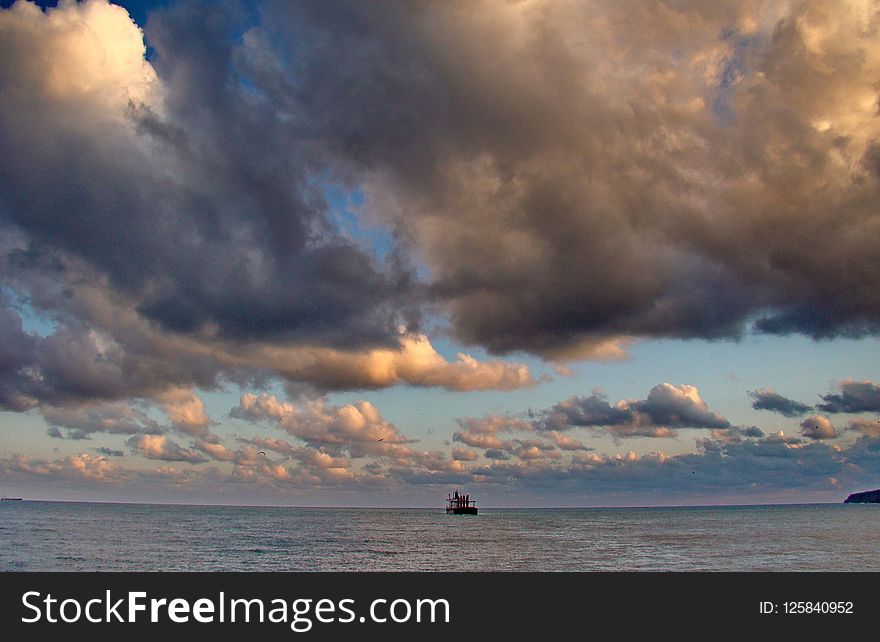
[(667, 406), (765, 399), (173, 228), (561, 169), (855, 396), (557, 166), (17, 350), (207, 215)]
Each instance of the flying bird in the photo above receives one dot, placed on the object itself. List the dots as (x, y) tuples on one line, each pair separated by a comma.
[(262, 452), (382, 439)]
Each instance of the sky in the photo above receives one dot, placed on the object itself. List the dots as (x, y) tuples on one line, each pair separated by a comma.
[(548, 252)]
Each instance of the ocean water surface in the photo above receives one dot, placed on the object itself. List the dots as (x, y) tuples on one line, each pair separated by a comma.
[(44, 536)]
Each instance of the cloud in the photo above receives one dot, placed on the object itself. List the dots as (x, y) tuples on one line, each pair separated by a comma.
[(667, 406), (358, 425), (483, 441), (736, 434), (767, 399), (855, 396), (186, 411), (818, 427), (717, 167), (414, 361), (355, 431), (227, 264), (213, 225), (483, 432), (464, 454), (554, 178), (779, 437), (161, 448), (79, 467), (567, 442), (215, 450), (280, 446), (119, 355), (81, 421), (869, 428), (713, 167), (775, 466), (109, 452), (16, 355)]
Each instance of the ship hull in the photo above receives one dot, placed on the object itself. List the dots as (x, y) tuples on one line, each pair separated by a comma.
[(462, 510)]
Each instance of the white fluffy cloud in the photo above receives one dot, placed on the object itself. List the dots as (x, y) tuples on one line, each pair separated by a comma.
[(818, 427), (161, 448), (316, 422)]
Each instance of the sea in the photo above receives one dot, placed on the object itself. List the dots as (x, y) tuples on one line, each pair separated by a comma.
[(67, 536)]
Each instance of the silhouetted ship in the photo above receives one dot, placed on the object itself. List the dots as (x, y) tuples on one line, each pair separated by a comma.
[(11, 499), (458, 504)]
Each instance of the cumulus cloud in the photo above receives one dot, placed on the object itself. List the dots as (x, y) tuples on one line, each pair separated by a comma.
[(237, 228), (567, 442), (666, 407), (869, 428), (752, 467), (226, 264), (79, 467), (81, 421), (161, 448), (464, 454), (16, 356), (215, 450), (818, 427), (357, 429), (718, 166), (359, 425), (185, 410), (414, 361), (484, 432), (855, 396), (709, 168), (552, 177), (767, 399)]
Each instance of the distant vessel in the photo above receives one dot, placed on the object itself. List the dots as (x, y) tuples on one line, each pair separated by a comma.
[(11, 499), (459, 504)]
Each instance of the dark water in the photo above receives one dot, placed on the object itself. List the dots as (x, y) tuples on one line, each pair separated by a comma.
[(129, 537)]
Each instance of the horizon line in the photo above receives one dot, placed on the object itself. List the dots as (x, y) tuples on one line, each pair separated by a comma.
[(350, 507)]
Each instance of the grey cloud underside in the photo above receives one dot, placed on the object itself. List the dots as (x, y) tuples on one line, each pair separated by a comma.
[(773, 401), (665, 406), (211, 219), (854, 397), (559, 197), (109, 452)]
